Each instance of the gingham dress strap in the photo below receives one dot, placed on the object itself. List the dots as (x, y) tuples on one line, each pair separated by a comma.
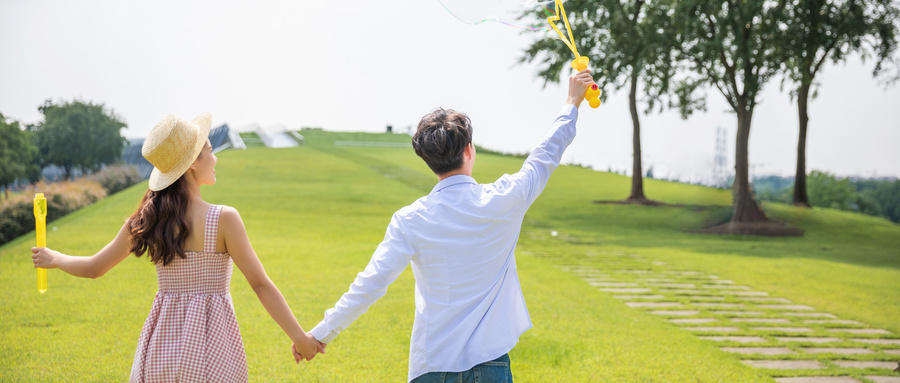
[(212, 228)]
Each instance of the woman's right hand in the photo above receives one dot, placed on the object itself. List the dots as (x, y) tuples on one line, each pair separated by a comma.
[(44, 257)]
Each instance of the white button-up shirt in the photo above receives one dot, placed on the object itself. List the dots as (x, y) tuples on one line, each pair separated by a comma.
[(460, 240)]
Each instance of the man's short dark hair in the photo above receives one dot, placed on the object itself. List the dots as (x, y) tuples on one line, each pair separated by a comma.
[(441, 138)]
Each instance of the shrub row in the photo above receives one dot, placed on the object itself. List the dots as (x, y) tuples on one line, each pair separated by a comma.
[(116, 178), (17, 213)]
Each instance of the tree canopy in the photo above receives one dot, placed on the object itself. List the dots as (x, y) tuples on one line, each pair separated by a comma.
[(80, 135), (17, 153), (626, 47)]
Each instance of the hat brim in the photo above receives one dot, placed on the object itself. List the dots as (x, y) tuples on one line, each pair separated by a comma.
[(159, 180)]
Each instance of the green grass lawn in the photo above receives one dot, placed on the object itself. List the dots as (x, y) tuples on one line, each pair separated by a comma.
[(315, 213)]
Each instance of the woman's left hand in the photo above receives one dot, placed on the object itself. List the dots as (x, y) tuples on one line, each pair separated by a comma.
[(44, 257)]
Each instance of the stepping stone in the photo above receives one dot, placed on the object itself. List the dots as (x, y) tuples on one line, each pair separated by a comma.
[(782, 329), (656, 280), (861, 331), (725, 286), (839, 351), (612, 284), (633, 271), (833, 321), (705, 298), (745, 293), (737, 313), (876, 341), (653, 304), (764, 299), (675, 312), (592, 278), (629, 297), (695, 321), (722, 281), (818, 379), (682, 272), (759, 350), (761, 320), (808, 339), (739, 339), (681, 292), (785, 364), (678, 285), (657, 263), (785, 307), (625, 290), (865, 364), (892, 352), (884, 379), (722, 305), (712, 329), (811, 315)]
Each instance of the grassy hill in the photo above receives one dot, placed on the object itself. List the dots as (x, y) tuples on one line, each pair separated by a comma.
[(315, 214)]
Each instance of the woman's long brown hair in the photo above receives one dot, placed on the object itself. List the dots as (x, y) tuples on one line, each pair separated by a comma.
[(159, 226)]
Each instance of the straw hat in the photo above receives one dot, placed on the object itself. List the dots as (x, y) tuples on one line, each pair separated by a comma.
[(173, 145)]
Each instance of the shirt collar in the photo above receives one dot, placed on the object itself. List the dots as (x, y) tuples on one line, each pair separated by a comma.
[(453, 180)]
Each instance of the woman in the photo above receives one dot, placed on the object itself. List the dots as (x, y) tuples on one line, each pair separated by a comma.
[(191, 333)]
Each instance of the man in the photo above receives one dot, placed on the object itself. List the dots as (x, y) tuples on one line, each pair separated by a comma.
[(460, 240)]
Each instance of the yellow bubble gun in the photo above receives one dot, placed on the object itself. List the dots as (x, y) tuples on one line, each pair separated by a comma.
[(592, 95), (40, 230)]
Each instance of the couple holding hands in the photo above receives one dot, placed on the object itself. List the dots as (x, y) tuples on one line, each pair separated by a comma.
[(460, 240)]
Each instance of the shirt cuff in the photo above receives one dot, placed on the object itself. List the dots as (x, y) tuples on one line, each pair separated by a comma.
[(321, 333), (569, 110)]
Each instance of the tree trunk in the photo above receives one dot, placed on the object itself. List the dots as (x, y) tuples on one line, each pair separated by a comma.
[(637, 175), (800, 196), (745, 207)]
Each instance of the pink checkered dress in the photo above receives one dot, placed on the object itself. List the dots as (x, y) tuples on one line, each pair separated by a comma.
[(191, 334)]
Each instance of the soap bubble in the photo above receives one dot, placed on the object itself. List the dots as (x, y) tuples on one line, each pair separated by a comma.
[(506, 12)]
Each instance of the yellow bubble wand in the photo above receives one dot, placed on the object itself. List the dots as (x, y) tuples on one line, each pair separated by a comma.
[(40, 230), (592, 95)]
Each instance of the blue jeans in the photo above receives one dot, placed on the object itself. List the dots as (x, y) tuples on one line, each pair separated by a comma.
[(495, 371)]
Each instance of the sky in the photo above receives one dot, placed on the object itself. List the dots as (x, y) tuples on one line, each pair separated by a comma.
[(362, 65)]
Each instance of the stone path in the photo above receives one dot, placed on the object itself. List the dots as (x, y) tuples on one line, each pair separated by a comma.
[(773, 334)]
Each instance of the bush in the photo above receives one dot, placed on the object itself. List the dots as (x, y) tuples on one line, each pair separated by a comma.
[(17, 213), (116, 178)]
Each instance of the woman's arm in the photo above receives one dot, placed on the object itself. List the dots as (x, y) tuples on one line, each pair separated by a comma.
[(238, 245), (86, 267)]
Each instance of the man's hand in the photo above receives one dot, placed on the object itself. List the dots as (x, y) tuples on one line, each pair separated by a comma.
[(306, 348), (578, 84), (318, 348)]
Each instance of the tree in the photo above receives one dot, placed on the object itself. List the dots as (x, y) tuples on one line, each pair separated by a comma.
[(625, 49), (728, 46), (825, 190), (78, 134), (816, 31), (17, 153), (888, 197)]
